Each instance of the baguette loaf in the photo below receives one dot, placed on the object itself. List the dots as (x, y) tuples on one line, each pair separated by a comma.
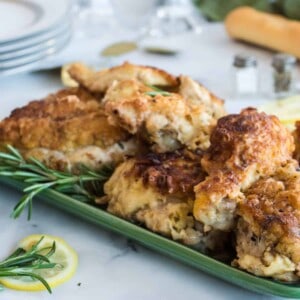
[(264, 29)]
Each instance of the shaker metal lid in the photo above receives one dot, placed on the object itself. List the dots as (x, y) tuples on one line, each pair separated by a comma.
[(282, 60), (243, 60)]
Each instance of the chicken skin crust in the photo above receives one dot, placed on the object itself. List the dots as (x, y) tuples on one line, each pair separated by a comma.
[(156, 190), (244, 147), (268, 230), (64, 129), (166, 111), (296, 135), (99, 82), (91, 125), (167, 121)]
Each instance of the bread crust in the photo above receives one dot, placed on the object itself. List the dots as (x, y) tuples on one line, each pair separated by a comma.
[(264, 29)]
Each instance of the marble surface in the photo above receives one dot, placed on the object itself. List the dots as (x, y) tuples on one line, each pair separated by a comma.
[(111, 267)]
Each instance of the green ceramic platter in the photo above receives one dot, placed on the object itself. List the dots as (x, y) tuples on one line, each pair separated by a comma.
[(164, 245)]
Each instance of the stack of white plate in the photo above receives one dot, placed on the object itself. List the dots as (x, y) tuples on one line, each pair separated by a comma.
[(31, 30)]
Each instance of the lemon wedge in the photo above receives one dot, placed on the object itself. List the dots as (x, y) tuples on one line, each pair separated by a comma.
[(287, 110), (66, 79), (64, 256)]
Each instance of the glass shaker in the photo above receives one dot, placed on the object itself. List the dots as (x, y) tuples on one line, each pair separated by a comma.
[(245, 81), (283, 74)]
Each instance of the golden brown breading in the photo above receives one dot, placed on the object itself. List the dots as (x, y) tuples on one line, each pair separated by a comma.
[(173, 173), (196, 94), (59, 123), (99, 82), (61, 127), (244, 147), (166, 121), (296, 135), (268, 232), (166, 174), (70, 126), (157, 190)]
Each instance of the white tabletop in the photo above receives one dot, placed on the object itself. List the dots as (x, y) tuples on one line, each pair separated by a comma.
[(110, 267)]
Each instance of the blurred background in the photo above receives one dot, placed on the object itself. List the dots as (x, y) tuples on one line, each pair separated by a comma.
[(89, 30), (181, 36)]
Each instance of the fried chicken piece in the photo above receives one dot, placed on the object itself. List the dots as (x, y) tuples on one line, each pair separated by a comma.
[(167, 121), (268, 236), (157, 190), (296, 135), (64, 130), (196, 94), (244, 147), (99, 82)]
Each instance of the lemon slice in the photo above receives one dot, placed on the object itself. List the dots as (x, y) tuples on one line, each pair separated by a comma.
[(287, 110), (66, 79), (64, 256)]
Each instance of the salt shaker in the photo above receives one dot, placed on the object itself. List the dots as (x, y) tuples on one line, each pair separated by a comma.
[(283, 74), (245, 75)]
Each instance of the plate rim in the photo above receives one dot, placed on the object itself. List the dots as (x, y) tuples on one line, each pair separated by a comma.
[(55, 9), (24, 43), (33, 49), (33, 57), (30, 66)]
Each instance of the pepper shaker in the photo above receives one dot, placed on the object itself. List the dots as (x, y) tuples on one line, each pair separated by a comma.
[(245, 75), (283, 74)]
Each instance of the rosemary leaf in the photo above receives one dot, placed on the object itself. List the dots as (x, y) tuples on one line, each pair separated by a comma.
[(154, 88), (15, 152), (23, 263), (155, 93), (38, 164)]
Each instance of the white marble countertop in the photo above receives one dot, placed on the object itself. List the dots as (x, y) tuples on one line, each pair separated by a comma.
[(111, 267)]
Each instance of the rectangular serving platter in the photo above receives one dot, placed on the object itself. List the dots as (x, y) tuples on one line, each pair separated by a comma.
[(164, 245)]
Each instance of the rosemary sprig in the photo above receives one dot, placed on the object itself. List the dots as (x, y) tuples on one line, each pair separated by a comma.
[(156, 91), (154, 88), (22, 263), (40, 178)]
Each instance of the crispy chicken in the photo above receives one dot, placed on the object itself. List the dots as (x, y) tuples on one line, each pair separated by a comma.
[(184, 116), (75, 126), (296, 135), (167, 121), (182, 169), (244, 148), (66, 129), (157, 191), (196, 94), (99, 82), (268, 230)]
